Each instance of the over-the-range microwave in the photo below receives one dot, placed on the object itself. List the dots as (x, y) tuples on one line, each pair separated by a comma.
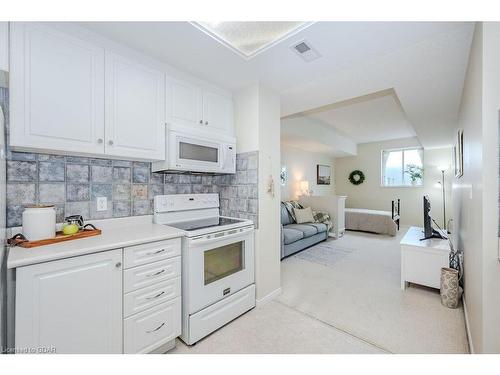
[(187, 152)]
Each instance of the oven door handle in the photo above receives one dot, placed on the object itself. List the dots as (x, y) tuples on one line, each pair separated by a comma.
[(195, 242)]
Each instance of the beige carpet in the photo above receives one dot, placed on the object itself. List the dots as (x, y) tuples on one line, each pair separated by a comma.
[(343, 296), (359, 292)]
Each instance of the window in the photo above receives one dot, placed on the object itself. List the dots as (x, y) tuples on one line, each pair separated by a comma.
[(403, 167)]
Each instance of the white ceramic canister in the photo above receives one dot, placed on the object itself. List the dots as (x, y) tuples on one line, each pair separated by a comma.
[(39, 222)]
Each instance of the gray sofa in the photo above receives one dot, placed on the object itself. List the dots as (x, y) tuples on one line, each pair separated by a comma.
[(296, 237)]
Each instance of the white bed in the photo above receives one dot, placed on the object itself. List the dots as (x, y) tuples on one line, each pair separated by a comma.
[(383, 222)]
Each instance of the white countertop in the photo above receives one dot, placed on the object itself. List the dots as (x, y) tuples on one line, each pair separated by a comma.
[(413, 236), (116, 233)]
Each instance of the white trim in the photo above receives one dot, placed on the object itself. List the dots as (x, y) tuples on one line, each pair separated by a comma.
[(265, 47), (266, 299), (467, 327)]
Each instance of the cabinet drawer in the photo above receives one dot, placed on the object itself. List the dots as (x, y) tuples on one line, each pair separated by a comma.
[(151, 252), (148, 330), (149, 274), (145, 298)]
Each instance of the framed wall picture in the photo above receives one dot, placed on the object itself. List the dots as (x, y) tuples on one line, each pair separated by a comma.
[(458, 154), (323, 174)]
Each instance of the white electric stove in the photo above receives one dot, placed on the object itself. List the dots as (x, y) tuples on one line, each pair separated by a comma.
[(218, 282)]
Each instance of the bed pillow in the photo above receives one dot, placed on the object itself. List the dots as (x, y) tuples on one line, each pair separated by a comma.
[(304, 215)]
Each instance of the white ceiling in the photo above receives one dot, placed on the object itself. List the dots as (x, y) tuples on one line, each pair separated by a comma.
[(424, 62), (372, 118)]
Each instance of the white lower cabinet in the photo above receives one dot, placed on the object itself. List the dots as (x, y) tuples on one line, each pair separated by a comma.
[(152, 296), (150, 274), (146, 331), (72, 305), (142, 299), (90, 304)]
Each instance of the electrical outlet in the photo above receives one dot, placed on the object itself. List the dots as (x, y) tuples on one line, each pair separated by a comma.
[(102, 204)]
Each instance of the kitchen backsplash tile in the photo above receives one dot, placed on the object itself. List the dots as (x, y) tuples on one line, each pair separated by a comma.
[(77, 173), (73, 184)]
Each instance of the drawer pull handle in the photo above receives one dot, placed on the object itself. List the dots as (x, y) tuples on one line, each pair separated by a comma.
[(157, 328), (155, 274), (158, 295), (156, 252)]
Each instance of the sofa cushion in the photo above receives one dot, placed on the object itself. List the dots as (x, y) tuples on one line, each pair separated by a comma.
[(304, 215), (285, 216), (307, 229), (319, 226), (292, 235)]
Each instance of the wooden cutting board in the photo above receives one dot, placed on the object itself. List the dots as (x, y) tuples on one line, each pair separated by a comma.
[(60, 237)]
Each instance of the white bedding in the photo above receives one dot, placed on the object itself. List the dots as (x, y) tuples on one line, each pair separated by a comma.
[(370, 221)]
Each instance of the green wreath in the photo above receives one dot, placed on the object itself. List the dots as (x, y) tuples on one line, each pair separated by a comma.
[(356, 177)]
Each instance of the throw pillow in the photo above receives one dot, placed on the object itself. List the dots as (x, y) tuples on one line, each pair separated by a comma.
[(304, 215)]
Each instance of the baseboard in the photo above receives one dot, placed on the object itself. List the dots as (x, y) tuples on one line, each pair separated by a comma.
[(164, 348), (467, 327), (268, 298)]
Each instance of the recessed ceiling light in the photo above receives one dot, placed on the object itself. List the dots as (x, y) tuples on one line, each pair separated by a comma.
[(248, 39)]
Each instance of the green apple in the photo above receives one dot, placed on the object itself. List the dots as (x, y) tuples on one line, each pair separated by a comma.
[(70, 228)]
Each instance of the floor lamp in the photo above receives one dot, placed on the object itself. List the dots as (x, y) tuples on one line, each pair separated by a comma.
[(443, 169)]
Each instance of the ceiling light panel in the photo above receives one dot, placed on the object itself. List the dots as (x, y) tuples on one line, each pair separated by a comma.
[(248, 39)]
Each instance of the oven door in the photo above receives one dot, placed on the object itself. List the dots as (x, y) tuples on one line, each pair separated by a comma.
[(193, 154), (219, 265)]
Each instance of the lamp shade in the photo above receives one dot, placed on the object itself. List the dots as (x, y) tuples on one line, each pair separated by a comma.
[(443, 167), (304, 185)]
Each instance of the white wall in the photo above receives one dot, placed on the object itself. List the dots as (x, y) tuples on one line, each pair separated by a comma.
[(257, 121), (246, 118), (4, 46), (370, 194), (467, 192), (269, 239), (301, 165), (475, 195), (491, 107)]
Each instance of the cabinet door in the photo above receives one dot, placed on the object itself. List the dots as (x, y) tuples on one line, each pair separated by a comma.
[(57, 91), (218, 112), (73, 305), (184, 103), (148, 330), (135, 109)]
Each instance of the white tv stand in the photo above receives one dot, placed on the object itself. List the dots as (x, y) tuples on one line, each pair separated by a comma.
[(421, 261)]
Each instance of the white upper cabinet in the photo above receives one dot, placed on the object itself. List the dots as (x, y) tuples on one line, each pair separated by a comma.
[(75, 93), (199, 108), (218, 112), (56, 91), (73, 305), (135, 109), (184, 103)]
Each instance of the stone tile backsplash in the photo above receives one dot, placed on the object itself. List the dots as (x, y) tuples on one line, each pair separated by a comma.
[(73, 184)]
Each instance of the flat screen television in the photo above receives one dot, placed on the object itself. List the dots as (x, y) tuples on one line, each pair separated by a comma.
[(429, 231)]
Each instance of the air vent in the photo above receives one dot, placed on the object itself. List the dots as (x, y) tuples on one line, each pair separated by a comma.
[(305, 51)]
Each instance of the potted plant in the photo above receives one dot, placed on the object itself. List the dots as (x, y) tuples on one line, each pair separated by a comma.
[(415, 172)]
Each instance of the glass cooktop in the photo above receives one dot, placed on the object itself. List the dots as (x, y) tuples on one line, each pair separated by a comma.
[(205, 223)]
